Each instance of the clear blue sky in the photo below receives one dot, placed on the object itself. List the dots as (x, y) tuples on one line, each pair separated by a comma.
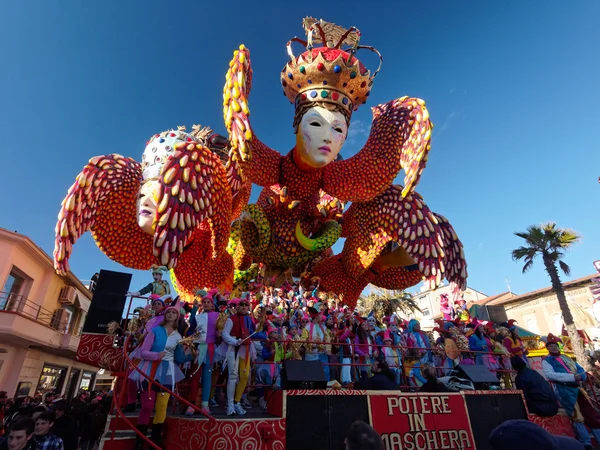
[(512, 88)]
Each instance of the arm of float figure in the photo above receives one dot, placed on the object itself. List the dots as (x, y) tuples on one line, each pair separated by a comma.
[(249, 158), (399, 139)]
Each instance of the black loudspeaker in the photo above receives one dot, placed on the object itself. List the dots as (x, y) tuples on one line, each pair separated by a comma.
[(480, 375), (321, 422), (303, 375), (108, 301), (487, 411)]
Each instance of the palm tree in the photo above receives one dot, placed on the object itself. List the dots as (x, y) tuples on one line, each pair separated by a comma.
[(384, 302), (550, 243)]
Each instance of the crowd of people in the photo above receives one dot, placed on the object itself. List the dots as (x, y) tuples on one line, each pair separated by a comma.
[(235, 347), (225, 349), (52, 422)]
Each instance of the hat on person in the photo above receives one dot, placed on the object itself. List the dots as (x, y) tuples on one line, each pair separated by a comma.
[(511, 324), (387, 336), (551, 339), (174, 306), (159, 269), (525, 435)]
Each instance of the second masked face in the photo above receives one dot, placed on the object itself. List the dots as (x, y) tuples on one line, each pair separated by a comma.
[(321, 134)]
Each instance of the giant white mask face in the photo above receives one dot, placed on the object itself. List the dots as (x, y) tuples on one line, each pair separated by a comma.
[(146, 206), (321, 134)]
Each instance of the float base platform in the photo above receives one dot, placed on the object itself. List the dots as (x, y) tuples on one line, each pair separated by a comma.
[(319, 420)]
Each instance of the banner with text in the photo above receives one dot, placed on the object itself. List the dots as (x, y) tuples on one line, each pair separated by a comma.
[(421, 421)]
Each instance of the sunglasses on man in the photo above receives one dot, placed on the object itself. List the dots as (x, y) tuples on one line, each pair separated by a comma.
[(243, 304)]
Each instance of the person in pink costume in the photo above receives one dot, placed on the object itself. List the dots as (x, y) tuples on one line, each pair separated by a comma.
[(445, 308), (158, 308), (204, 325), (160, 355)]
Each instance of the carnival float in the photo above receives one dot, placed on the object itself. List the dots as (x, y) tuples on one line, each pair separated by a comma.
[(186, 205)]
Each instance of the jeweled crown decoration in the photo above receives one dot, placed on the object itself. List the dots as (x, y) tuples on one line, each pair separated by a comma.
[(328, 74)]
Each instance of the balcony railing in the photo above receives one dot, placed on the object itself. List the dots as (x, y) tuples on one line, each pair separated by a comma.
[(22, 306)]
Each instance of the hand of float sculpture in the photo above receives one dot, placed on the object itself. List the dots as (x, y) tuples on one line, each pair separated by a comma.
[(174, 209), (249, 158), (103, 200), (193, 188), (399, 139), (428, 247)]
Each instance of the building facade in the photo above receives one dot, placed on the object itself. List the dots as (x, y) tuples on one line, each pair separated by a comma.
[(428, 301), (539, 311), (41, 317)]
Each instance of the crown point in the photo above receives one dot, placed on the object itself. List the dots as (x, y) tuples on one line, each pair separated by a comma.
[(302, 69), (337, 69), (352, 75), (320, 66), (290, 76)]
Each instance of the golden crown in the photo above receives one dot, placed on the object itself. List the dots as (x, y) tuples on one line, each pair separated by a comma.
[(328, 74)]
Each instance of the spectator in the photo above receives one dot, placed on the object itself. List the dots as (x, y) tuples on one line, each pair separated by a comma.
[(539, 396), (92, 425), (3, 400), (526, 435), (20, 435), (48, 398), (65, 427), (44, 437), (432, 384), (36, 412), (383, 378), (79, 407), (362, 436)]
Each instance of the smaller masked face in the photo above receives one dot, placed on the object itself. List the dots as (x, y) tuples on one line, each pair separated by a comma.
[(146, 206), (321, 134)]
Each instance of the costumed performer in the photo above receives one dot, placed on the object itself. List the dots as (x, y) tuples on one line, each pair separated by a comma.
[(462, 311), (203, 323), (161, 355), (566, 375), (157, 306), (346, 336), (239, 354), (514, 344), (315, 332), (392, 355), (445, 308), (480, 344), (364, 348), (158, 286), (419, 345)]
